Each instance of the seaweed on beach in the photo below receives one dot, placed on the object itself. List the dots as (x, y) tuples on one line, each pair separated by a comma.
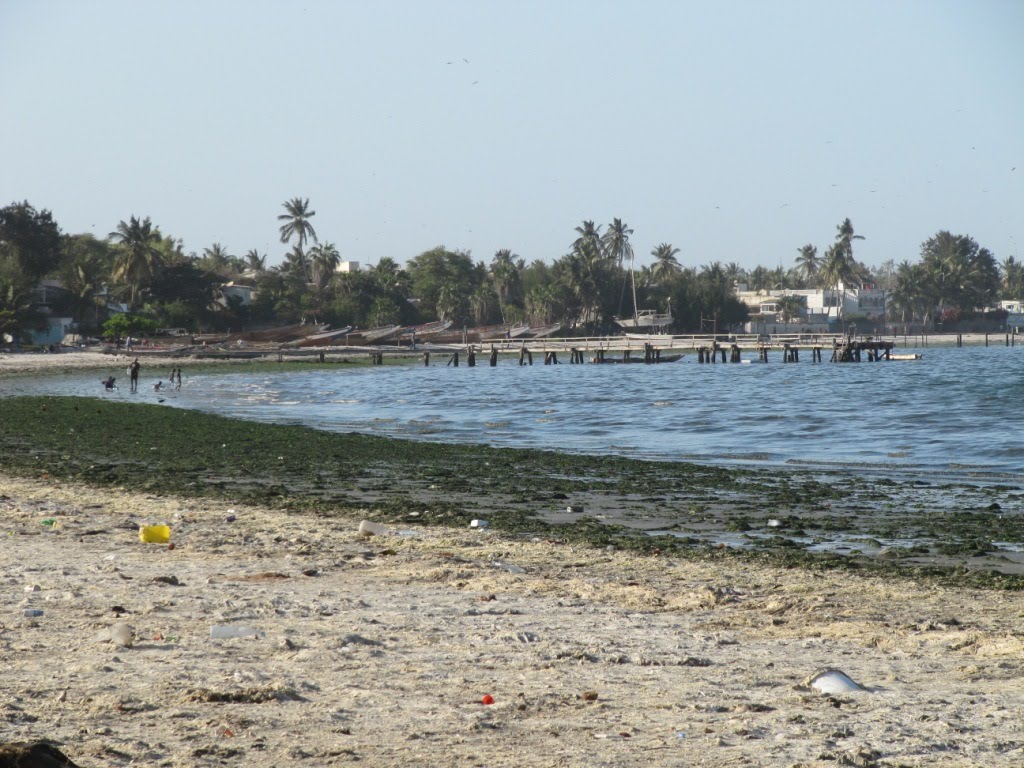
[(530, 492)]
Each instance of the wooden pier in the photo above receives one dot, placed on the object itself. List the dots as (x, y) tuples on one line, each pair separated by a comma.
[(656, 349), (708, 349)]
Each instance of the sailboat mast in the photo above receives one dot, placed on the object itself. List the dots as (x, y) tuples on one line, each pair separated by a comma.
[(632, 274)]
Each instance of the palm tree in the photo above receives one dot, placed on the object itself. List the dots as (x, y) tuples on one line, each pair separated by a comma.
[(217, 259), (839, 268), (617, 248), (808, 262), (296, 225), (505, 278), (255, 261), (139, 259), (589, 242), (1013, 278), (665, 262), (791, 307), (324, 259), (834, 271), (616, 242), (391, 278), (845, 237)]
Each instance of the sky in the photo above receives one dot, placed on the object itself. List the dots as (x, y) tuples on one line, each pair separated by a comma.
[(736, 131)]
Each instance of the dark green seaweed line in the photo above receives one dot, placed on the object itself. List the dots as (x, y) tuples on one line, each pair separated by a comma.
[(162, 450)]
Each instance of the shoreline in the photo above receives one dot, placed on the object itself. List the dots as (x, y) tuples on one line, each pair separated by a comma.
[(381, 650), (16, 363), (951, 532)]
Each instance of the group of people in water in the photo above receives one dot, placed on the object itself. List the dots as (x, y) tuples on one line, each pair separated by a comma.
[(173, 381)]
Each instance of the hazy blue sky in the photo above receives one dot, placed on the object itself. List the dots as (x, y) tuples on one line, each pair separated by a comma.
[(737, 131)]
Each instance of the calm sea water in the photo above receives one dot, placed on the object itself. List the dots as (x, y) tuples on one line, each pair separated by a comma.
[(956, 411)]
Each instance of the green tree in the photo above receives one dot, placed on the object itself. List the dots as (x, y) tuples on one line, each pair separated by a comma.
[(217, 259), (255, 261), (122, 325), (615, 242), (139, 258), (324, 260), (665, 262), (86, 264), (443, 281), (1012, 283), (298, 227), (910, 295), (791, 307), (30, 242), (808, 263), (505, 278), (964, 276)]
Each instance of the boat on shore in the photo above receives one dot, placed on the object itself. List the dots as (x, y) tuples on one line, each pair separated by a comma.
[(645, 318), (324, 338), (425, 332), (543, 331), (381, 334)]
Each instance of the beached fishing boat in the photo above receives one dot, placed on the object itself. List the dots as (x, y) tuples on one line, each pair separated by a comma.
[(324, 338), (381, 334), (426, 331), (539, 332)]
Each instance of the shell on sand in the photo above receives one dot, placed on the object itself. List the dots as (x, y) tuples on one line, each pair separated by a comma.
[(832, 681)]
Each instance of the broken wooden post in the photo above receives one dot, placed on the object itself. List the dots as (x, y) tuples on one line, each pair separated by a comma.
[(426, 359), (494, 357), (471, 358)]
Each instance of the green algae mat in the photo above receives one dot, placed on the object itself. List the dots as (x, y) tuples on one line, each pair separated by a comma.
[(951, 531)]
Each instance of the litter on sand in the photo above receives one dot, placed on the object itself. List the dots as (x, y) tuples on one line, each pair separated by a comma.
[(833, 681)]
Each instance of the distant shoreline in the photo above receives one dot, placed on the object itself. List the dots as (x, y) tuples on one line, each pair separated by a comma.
[(14, 363)]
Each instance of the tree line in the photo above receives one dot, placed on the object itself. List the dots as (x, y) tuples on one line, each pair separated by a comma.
[(584, 289)]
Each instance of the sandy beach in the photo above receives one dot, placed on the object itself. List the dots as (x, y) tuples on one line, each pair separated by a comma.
[(381, 649)]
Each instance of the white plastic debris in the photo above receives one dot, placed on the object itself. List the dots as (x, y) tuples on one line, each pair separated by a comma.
[(368, 528), (833, 681), (123, 635), (479, 524)]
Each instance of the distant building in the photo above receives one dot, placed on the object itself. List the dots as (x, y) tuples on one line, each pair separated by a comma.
[(348, 266), (242, 292), (822, 305), (1014, 313), (54, 331)]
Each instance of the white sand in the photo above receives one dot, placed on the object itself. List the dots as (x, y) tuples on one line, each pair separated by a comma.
[(379, 651)]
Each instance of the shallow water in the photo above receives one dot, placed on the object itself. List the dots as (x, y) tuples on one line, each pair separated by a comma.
[(955, 412)]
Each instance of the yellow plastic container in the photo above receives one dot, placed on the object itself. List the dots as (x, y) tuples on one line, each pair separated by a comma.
[(154, 534)]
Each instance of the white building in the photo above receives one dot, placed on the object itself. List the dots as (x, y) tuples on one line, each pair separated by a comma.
[(243, 293), (821, 305), (348, 266)]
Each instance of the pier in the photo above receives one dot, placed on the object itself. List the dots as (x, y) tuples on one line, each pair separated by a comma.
[(653, 349), (628, 348)]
